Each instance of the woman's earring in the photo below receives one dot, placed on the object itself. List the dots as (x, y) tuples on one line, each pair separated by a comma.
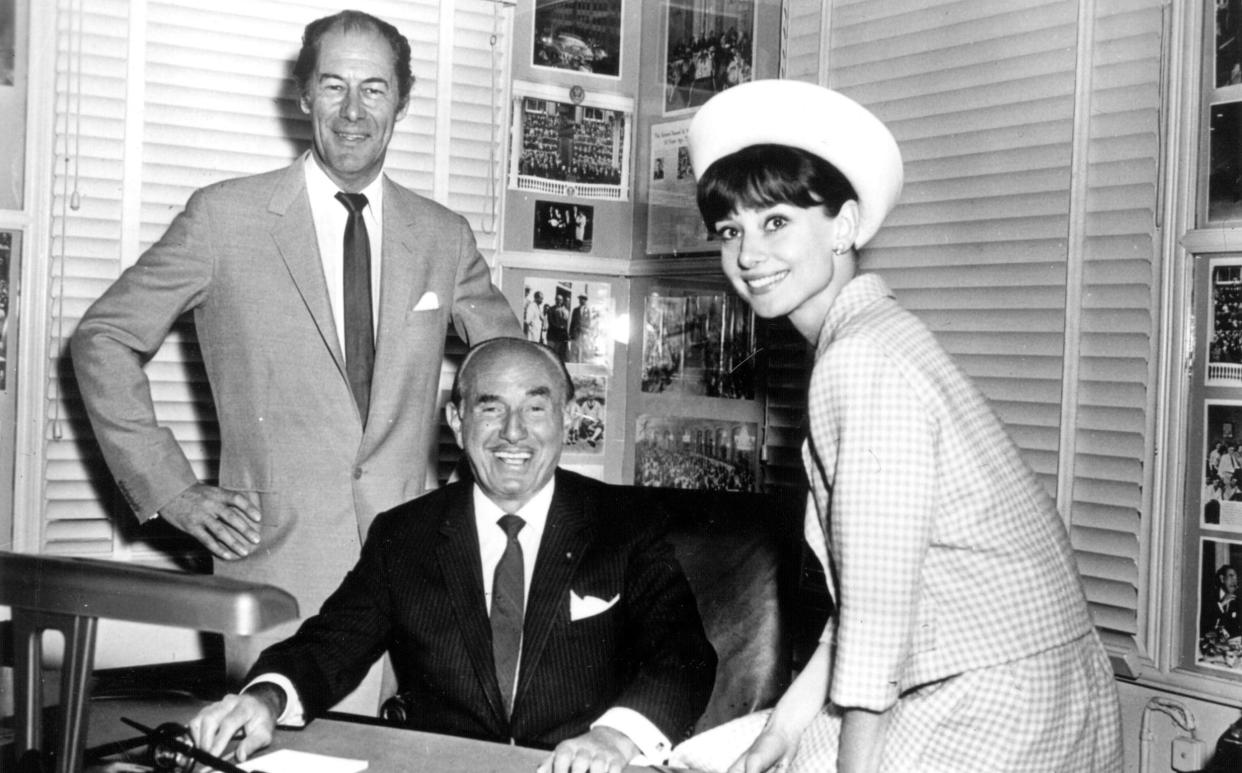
[(839, 249)]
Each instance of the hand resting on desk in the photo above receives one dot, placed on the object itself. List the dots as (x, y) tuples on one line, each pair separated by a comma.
[(254, 712)]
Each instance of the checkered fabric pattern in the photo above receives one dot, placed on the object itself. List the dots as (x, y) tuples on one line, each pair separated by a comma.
[(944, 554), (1054, 712)]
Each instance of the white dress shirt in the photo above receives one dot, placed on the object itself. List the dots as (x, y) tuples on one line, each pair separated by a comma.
[(330, 217)]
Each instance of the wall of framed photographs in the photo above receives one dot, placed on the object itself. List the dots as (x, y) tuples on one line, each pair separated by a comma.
[(1211, 609), (598, 194)]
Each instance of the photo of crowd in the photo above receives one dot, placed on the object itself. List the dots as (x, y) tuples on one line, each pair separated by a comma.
[(1220, 620), (704, 454), (710, 48), (1225, 335), (1222, 476), (578, 35), (571, 144), (561, 226), (698, 344)]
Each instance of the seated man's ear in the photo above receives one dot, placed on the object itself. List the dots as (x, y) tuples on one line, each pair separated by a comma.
[(453, 417)]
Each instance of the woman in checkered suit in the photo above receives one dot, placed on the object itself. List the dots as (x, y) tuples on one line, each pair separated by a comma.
[(961, 639)]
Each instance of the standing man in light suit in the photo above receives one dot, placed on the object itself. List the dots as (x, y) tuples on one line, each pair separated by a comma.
[(321, 317)]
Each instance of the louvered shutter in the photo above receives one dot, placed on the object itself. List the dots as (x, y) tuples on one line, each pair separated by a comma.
[(174, 96), (1025, 236)]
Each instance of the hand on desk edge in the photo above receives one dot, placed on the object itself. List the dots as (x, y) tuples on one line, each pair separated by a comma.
[(601, 750), (253, 713)]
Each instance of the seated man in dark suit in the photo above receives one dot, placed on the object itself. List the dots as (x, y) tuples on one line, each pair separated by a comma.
[(605, 657)]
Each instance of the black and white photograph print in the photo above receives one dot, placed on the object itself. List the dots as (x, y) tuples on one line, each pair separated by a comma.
[(572, 150), (572, 316), (579, 35), (702, 454), (1221, 503), (562, 226), (1225, 163), (1220, 621), (1228, 42), (1224, 340), (584, 433), (7, 248), (710, 47), (698, 344), (8, 42)]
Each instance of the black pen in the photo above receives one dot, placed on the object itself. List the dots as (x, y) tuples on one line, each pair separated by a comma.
[(193, 752)]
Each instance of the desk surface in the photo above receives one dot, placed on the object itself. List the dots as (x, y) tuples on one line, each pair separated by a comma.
[(387, 749)]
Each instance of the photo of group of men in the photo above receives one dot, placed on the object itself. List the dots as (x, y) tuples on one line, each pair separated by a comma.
[(562, 226), (710, 48), (574, 318)]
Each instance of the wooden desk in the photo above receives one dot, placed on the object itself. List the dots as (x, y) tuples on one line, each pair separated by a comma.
[(387, 749)]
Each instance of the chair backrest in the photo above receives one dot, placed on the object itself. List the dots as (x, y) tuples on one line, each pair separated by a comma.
[(740, 553)]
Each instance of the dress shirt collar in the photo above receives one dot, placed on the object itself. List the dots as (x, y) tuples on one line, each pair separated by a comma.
[(534, 512), (320, 187)]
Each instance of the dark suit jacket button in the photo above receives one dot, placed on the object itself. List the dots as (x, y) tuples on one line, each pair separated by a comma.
[(357, 473)]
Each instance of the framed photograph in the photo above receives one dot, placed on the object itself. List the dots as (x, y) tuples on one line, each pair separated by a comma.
[(709, 46), (1220, 619), (8, 42), (1224, 335), (703, 454), (698, 344), (576, 35), (560, 225), (1225, 163), (10, 246), (575, 318), (578, 148), (674, 226), (1228, 43), (1221, 503)]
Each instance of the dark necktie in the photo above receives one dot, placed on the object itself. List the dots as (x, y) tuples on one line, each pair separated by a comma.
[(359, 325), (508, 607)]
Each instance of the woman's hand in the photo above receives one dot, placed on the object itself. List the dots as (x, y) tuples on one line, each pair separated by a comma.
[(772, 750)]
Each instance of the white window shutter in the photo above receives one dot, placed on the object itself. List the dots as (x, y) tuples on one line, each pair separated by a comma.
[(1033, 266)]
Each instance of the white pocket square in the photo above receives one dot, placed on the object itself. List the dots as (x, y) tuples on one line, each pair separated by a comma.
[(582, 607), (428, 302)]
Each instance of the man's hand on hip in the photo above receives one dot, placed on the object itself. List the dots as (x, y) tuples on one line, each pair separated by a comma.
[(602, 750), (226, 522)]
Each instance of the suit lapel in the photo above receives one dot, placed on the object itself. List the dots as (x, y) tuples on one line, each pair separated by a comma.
[(565, 539), (298, 245), (458, 554)]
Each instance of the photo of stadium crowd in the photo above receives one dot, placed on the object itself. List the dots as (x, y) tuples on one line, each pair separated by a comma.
[(569, 149), (1225, 337), (704, 454)]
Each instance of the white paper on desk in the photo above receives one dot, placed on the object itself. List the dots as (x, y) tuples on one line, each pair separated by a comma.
[(291, 761)]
